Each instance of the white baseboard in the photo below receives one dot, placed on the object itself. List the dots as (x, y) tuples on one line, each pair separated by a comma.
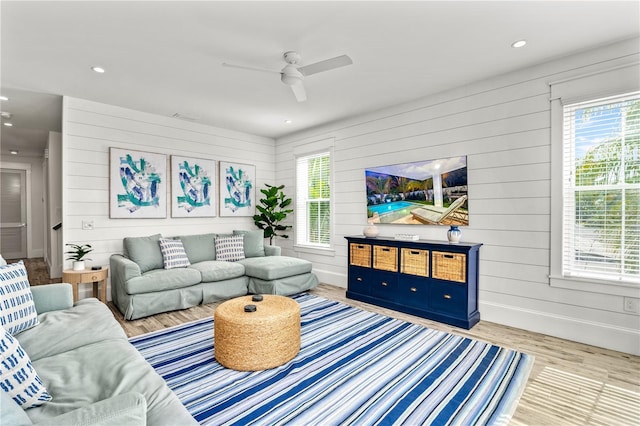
[(333, 278), (590, 332)]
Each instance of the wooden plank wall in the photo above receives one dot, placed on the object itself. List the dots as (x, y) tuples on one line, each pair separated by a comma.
[(90, 128), (503, 126)]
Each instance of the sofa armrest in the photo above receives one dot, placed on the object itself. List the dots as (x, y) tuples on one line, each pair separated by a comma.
[(272, 250), (123, 269), (52, 297), (127, 409)]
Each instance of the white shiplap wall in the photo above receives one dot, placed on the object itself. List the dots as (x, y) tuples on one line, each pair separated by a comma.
[(90, 128), (502, 125)]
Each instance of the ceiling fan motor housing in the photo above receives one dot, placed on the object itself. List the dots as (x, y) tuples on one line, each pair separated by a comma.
[(290, 75)]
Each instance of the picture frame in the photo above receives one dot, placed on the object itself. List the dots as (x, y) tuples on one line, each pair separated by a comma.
[(193, 182), (137, 184), (237, 189)]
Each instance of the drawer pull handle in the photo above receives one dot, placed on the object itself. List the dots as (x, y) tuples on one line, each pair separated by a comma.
[(384, 284), (361, 246), (413, 289), (415, 252), (358, 279), (447, 296), (386, 249), (449, 256)]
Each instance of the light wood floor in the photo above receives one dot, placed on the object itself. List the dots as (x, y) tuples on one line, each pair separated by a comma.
[(571, 383)]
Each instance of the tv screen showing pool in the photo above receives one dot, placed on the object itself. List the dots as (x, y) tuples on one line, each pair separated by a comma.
[(431, 192)]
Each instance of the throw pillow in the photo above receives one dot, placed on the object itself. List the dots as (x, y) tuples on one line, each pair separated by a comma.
[(18, 378), (17, 310), (173, 254), (2, 261), (230, 248), (145, 251), (253, 242), (199, 248)]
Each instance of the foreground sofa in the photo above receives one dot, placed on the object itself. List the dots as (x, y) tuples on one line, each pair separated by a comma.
[(91, 371), (144, 283)]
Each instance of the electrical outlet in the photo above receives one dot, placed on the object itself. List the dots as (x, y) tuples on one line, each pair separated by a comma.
[(631, 304), (87, 225)]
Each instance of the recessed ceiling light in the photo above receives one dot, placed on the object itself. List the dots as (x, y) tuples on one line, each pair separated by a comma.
[(519, 43), (3, 98), (13, 152), (8, 124), (5, 114), (288, 121), (99, 70)]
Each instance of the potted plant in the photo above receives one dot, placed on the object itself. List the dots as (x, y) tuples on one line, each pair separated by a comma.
[(273, 210), (77, 254)]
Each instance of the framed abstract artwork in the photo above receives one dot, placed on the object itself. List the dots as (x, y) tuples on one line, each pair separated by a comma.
[(237, 189), (137, 184), (192, 187)]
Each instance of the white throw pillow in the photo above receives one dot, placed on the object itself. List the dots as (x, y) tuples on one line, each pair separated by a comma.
[(173, 254), (17, 310), (18, 378), (230, 248)]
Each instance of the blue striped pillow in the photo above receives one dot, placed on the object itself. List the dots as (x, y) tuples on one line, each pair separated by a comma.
[(230, 249), (18, 378), (17, 310), (173, 254)]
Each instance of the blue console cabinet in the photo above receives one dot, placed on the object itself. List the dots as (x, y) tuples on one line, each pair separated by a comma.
[(430, 279)]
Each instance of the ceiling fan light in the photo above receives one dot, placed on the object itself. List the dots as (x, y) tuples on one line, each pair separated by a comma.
[(290, 79)]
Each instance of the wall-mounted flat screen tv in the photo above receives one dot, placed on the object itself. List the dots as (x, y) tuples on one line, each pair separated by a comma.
[(432, 192)]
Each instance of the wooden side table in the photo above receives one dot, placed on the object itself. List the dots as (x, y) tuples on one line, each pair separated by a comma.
[(98, 278)]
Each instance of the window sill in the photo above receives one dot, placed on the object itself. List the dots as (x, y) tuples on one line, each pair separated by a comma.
[(315, 250), (595, 286)]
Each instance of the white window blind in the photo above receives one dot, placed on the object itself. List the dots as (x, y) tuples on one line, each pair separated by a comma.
[(601, 189), (313, 200)]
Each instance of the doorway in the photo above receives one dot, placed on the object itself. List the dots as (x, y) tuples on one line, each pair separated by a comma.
[(14, 210)]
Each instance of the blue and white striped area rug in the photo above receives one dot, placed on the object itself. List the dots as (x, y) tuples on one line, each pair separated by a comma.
[(354, 367)]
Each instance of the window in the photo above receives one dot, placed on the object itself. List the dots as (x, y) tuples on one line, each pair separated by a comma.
[(601, 189), (313, 200)]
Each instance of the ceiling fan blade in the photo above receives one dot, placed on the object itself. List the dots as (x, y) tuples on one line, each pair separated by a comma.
[(326, 65), (242, 67), (299, 92)]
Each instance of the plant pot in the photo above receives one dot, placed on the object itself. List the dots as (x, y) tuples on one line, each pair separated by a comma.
[(78, 265)]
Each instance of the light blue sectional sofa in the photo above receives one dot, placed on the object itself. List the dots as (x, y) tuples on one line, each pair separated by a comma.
[(94, 375), (141, 286)]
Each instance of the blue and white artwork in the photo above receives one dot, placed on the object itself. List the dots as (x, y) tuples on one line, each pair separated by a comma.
[(192, 187), (137, 184), (237, 189)]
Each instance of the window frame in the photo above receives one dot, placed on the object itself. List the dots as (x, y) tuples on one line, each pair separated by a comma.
[(595, 85), (325, 146)]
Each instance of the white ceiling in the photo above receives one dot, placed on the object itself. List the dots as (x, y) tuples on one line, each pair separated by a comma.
[(165, 57)]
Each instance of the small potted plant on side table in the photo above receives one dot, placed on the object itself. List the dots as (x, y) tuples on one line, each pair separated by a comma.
[(77, 254)]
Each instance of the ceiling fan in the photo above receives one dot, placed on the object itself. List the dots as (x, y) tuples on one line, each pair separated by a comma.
[(293, 74)]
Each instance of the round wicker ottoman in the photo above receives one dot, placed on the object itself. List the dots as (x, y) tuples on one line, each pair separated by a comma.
[(260, 340)]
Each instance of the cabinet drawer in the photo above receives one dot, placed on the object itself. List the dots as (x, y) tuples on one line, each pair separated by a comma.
[(385, 258), (360, 255), (384, 286), (449, 266), (359, 282), (448, 298), (414, 293), (414, 262)]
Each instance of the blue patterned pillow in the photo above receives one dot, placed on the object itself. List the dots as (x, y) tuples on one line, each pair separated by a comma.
[(17, 310), (230, 248), (173, 254), (18, 378)]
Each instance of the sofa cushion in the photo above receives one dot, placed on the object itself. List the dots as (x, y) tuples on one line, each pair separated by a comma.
[(274, 267), (217, 270), (199, 247), (12, 414), (253, 242), (17, 376), (162, 279), (17, 310), (95, 372), (127, 409), (173, 254), (89, 321), (230, 248), (145, 251)]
